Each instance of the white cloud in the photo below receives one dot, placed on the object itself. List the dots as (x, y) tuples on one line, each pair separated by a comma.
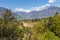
[(36, 8), (51, 1), (22, 10), (41, 7), (33, 8)]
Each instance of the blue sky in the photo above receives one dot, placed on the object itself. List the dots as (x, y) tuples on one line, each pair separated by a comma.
[(27, 4)]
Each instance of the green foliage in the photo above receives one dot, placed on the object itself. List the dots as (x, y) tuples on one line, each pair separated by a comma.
[(42, 29), (54, 24), (48, 35), (9, 29)]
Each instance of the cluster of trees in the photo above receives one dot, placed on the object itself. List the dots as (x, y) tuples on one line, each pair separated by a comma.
[(43, 29), (48, 28), (9, 29)]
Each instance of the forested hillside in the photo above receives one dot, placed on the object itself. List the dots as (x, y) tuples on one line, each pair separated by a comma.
[(37, 29)]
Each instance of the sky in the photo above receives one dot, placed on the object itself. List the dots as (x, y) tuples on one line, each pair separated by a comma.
[(28, 5)]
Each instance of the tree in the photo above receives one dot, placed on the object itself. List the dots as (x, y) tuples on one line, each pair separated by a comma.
[(9, 28), (54, 24)]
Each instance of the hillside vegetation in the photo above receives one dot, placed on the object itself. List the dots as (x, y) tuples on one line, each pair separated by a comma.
[(34, 29)]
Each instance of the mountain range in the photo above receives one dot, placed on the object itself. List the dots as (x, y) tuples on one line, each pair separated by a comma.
[(49, 11)]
